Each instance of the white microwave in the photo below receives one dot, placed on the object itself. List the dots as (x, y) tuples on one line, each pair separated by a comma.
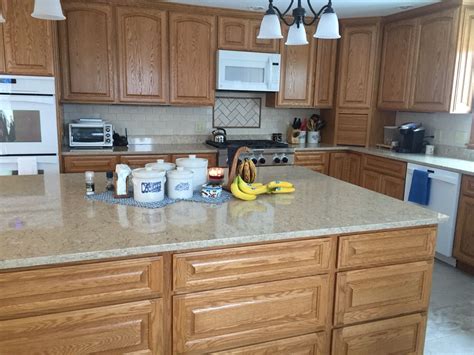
[(248, 71)]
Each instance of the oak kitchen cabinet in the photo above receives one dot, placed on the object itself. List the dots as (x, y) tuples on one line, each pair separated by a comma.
[(87, 52), (240, 34), (464, 239), (192, 58), (383, 175), (317, 161), (26, 43), (143, 54), (427, 62), (345, 166)]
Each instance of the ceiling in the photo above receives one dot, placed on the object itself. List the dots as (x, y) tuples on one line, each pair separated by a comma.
[(344, 8)]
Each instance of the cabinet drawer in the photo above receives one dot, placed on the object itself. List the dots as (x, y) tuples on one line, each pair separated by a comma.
[(374, 249), (310, 344), (139, 161), (246, 265), (239, 316), (211, 157), (311, 158), (121, 329), (403, 335), (382, 292), (468, 185), (385, 166), (63, 288), (99, 163)]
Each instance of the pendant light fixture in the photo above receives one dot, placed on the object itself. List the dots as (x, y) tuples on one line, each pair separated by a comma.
[(48, 10), (328, 26)]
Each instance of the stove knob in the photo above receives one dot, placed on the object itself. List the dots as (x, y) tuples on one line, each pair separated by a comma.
[(255, 161), (284, 160), (276, 160), (262, 160)]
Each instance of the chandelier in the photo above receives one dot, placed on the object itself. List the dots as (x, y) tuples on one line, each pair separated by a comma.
[(328, 26), (45, 10)]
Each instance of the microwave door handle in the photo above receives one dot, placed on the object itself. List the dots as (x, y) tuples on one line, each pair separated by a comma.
[(270, 72)]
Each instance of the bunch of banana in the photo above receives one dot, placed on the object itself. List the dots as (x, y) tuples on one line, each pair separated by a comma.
[(247, 171), (249, 192)]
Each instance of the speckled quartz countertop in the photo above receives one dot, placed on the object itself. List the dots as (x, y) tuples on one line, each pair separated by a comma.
[(136, 149), (46, 220), (452, 164)]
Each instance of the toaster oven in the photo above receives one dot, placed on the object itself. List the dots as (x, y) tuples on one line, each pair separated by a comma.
[(90, 134)]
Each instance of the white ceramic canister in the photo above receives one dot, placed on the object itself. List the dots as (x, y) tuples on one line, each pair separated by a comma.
[(180, 183), (314, 137), (161, 165), (148, 184), (198, 166)]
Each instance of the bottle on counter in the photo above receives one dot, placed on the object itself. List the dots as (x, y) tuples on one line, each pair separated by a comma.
[(90, 185), (110, 181)]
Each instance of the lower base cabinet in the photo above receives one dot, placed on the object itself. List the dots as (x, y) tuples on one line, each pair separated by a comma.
[(310, 344), (464, 241), (318, 162), (131, 328), (403, 335)]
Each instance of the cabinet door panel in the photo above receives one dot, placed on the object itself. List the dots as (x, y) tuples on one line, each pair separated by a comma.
[(130, 328), (325, 73), (87, 52), (310, 344), (318, 162), (297, 74), (338, 166), (357, 66), (403, 335), (371, 180), (222, 319), (434, 61), (143, 54), (28, 41), (192, 58), (464, 243), (233, 33), (261, 45), (382, 292), (397, 62), (393, 187), (352, 129), (354, 168)]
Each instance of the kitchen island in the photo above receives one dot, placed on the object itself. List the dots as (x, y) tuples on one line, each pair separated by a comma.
[(333, 268)]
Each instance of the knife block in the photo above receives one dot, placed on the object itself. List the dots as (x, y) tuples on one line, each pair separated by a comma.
[(293, 135)]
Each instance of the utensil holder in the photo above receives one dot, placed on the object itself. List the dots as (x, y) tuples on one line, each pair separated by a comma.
[(314, 137)]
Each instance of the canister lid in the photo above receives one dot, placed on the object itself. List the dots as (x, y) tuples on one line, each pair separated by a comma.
[(192, 162), (161, 165), (180, 173), (148, 173)]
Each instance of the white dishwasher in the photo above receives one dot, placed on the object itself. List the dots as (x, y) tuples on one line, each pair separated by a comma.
[(444, 197)]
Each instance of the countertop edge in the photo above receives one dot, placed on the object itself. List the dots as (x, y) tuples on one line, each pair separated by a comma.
[(230, 242)]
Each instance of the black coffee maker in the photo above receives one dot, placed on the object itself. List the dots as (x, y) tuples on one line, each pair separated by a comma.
[(412, 136)]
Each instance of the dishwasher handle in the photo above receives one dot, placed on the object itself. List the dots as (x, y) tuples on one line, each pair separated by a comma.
[(448, 178)]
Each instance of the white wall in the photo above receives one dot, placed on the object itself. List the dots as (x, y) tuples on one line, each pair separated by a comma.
[(167, 120), (449, 130)]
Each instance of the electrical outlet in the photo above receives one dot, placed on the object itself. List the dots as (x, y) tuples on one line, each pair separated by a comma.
[(200, 127)]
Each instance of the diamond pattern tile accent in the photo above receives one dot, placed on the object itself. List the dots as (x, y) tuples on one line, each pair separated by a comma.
[(237, 112)]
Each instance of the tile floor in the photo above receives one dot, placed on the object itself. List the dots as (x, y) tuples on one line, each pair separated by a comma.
[(450, 328)]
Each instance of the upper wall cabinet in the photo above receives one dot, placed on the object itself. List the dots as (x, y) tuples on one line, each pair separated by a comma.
[(357, 66), (325, 73), (142, 54), (427, 62), (27, 42), (192, 58), (87, 52), (240, 34), (397, 57)]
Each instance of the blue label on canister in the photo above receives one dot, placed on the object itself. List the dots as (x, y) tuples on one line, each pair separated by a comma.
[(150, 187)]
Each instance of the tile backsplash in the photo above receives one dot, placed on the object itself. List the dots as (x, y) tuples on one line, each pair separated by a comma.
[(167, 120)]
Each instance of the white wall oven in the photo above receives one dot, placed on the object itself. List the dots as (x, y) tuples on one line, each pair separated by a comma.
[(28, 125)]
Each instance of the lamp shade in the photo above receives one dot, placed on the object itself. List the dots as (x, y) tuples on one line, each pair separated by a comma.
[(48, 10), (270, 27), (296, 36), (328, 26)]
